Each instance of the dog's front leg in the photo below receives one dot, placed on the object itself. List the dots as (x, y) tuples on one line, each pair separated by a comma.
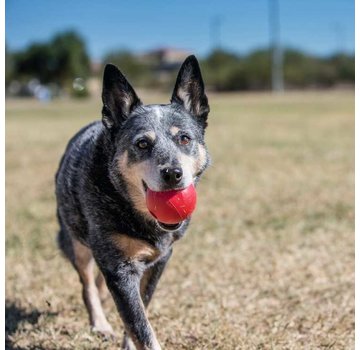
[(123, 276), (151, 278), (148, 284), (124, 286)]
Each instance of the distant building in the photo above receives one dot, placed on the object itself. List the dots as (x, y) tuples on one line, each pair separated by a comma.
[(164, 61), (96, 67)]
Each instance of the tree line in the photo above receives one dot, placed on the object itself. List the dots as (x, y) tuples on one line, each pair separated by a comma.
[(65, 58), (227, 71)]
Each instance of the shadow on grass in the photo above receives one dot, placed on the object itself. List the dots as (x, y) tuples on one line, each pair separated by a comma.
[(14, 316)]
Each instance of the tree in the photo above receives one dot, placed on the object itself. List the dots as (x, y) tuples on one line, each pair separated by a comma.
[(345, 67), (69, 58), (60, 61), (35, 61), (258, 70), (218, 68), (9, 66)]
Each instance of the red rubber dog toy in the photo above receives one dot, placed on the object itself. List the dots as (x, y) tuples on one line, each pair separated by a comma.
[(171, 207)]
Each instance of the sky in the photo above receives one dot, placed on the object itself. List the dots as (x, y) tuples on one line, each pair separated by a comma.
[(319, 27)]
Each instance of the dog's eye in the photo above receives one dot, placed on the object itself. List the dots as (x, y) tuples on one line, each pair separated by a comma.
[(184, 139), (143, 144)]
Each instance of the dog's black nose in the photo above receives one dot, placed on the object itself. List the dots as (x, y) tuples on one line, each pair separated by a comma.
[(172, 176)]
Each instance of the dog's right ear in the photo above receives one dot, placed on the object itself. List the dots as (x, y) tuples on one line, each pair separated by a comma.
[(118, 96)]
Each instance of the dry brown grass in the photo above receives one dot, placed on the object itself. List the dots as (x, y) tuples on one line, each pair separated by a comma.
[(268, 262)]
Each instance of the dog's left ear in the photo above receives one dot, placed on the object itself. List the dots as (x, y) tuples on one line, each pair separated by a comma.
[(119, 98), (189, 90)]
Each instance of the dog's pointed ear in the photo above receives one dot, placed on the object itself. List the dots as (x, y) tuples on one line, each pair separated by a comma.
[(189, 89), (118, 96)]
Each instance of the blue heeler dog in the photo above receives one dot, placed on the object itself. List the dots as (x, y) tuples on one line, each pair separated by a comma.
[(101, 186)]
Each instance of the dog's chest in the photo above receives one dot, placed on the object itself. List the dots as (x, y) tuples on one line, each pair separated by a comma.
[(138, 250)]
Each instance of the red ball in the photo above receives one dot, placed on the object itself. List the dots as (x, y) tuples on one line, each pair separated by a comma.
[(171, 207)]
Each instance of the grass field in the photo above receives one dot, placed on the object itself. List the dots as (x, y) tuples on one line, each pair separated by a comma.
[(268, 261)]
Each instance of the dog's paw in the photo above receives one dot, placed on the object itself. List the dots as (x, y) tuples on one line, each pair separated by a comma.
[(128, 345), (104, 330)]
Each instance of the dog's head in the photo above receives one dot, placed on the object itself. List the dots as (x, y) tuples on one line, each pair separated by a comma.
[(160, 147)]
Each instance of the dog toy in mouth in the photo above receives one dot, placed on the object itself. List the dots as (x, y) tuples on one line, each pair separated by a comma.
[(171, 207)]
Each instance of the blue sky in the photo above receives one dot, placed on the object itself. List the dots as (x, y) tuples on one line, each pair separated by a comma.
[(320, 27)]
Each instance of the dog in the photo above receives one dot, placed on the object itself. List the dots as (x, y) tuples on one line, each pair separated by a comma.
[(101, 189)]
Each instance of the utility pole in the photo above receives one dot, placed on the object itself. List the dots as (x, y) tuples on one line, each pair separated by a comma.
[(339, 36), (215, 32), (277, 75)]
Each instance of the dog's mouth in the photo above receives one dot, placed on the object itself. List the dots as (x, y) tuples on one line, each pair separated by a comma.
[(145, 186), (169, 227), (166, 227)]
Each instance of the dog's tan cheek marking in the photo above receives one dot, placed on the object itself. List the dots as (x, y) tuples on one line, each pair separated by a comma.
[(135, 249), (123, 163), (132, 175), (187, 162), (194, 164), (202, 158), (174, 130)]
